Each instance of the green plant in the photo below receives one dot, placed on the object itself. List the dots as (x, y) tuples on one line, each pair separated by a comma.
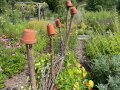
[(103, 45), (71, 76), (101, 4), (11, 62), (2, 78), (113, 84), (106, 66), (40, 63), (11, 30)]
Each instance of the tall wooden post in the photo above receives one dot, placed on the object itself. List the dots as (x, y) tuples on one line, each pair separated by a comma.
[(38, 12), (51, 56), (12, 9), (31, 65), (29, 38), (67, 20), (61, 41), (68, 35), (51, 32), (73, 12), (58, 24)]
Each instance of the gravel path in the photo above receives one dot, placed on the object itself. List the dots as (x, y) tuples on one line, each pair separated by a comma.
[(81, 53)]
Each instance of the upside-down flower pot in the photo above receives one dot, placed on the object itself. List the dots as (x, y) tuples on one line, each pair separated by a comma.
[(28, 37), (58, 24), (50, 29), (74, 11), (68, 3)]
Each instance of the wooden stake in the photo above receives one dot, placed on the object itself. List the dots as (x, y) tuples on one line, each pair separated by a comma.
[(31, 65), (68, 35), (61, 42), (51, 56), (67, 20)]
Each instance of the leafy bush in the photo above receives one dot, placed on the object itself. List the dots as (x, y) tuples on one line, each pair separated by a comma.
[(71, 76), (9, 29), (102, 22), (106, 66), (103, 45), (11, 62), (3, 6), (113, 84), (118, 6), (2, 78), (100, 4)]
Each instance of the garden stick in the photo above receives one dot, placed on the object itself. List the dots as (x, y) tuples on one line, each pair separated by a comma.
[(61, 41), (68, 5), (29, 38), (73, 12), (51, 56), (51, 32), (58, 24), (31, 65), (68, 35), (67, 20)]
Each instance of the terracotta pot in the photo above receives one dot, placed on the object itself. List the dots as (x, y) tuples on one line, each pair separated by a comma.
[(50, 29), (28, 37), (68, 3), (74, 11), (55, 87), (58, 24)]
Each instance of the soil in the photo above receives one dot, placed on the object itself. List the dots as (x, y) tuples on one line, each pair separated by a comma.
[(18, 81)]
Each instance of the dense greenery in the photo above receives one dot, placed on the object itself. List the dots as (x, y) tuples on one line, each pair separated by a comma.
[(103, 48), (96, 5)]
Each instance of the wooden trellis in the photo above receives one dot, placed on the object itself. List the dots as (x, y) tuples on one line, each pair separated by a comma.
[(40, 6)]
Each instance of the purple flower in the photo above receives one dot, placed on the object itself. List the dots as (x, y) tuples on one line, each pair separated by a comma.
[(8, 46)]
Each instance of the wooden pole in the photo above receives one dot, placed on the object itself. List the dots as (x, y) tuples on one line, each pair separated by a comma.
[(51, 57), (61, 42), (39, 12), (67, 20), (31, 65), (68, 35)]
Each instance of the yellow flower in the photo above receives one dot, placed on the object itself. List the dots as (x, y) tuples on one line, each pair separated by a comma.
[(91, 84), (84, 72), (76, 86)]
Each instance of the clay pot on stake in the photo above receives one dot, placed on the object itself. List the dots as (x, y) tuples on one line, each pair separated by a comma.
[(73, 12), (51, 32), (68, 6), (58, 25), (29, 38)]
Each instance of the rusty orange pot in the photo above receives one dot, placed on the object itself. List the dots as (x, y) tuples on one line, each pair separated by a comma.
[(28, 37), (68, 3), (50, 29), (58, 24), (74, 11), (55, 87)]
